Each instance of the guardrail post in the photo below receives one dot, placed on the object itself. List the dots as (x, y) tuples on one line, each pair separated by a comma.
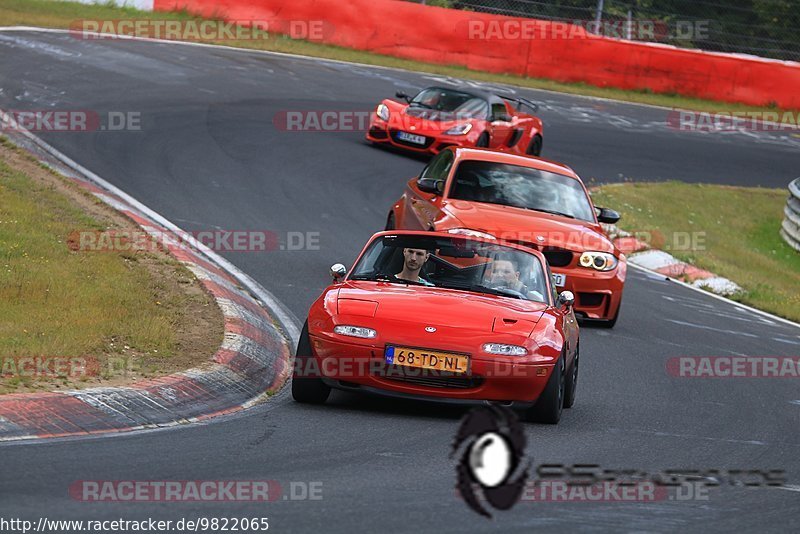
[(790, 229)]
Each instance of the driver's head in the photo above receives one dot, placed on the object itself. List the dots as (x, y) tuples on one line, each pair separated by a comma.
[(504, 271), (415, 258)]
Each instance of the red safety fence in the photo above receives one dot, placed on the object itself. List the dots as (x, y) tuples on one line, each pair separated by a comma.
[(526, 47)]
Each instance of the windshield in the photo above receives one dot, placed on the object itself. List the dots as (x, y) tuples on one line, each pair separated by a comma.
[(520, 187), (455, 103), (454, 263)]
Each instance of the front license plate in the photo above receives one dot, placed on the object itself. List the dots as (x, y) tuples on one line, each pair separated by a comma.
[(559, 279), (426, 359), (411, 138)]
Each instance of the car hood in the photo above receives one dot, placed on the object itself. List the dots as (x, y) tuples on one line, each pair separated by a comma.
[(441, 308), (518, 224)]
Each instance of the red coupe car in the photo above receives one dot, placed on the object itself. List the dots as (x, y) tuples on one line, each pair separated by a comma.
[(443, 316), (539, 203), (438, 117)]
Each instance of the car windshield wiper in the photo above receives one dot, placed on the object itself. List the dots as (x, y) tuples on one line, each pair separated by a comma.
[(552, 212), (420, 104), (385, 278), (500, 291)]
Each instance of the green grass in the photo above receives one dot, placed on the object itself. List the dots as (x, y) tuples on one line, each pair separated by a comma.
[(736, 231), (60, 303), (50, 14)]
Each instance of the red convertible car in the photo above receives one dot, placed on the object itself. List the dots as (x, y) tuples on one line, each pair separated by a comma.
[(539, 203), (438, 117), (439, 316)]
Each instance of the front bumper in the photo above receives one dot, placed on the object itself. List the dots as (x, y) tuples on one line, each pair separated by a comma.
[(384, 133), (357, 366), (597, 294)]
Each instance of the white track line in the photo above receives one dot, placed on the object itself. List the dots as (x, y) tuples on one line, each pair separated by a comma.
[(287, 319), (718, 297), (268, 297), (366, 65)]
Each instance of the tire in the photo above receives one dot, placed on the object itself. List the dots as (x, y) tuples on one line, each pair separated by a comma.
[(483, 141), (308, 390), (535, 148), (551, 402), (390, 224), (571, 384)]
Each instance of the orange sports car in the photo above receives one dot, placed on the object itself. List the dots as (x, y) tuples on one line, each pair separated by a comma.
[(538, 203), (439, 117), (445, 317)]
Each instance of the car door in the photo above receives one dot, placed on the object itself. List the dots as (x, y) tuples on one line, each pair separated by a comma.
[(570, 321), (422, 207), (501, 125)]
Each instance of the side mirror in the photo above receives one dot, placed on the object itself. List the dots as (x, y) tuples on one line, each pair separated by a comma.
[(608, 216), (566, 298), (501, 118), (430, 186), (401, 94), (338, 271)]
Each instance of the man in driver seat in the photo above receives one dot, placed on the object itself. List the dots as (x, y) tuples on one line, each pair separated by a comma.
[(505, 273), (413, 261)]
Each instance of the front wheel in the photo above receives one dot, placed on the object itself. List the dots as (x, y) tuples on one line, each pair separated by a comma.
[(572, 380), (535, 148), (551, 402), (390, 224), (483, 141), (307, 389)]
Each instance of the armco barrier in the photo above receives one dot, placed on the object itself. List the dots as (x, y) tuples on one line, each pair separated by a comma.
[(448, 36), (790, 229)]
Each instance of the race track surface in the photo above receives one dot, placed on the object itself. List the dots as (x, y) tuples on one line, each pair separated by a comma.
[(209, 157)]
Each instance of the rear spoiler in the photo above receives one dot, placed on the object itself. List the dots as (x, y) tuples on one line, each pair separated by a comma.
[(519, 102)]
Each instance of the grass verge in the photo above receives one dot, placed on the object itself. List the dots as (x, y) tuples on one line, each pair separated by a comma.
[(730, 231), (73, 319), (48, 14)]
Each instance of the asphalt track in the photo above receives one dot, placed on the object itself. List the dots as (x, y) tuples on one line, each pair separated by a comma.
[(208, 156)]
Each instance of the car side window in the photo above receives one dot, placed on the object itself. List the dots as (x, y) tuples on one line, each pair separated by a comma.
[(439, 167), (499, 111)]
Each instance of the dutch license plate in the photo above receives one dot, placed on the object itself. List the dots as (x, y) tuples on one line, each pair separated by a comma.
[(411, 138), (559, 279), (426, 359)]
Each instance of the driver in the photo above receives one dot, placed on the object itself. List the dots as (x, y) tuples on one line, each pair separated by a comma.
[(413, 260), (506, 274)]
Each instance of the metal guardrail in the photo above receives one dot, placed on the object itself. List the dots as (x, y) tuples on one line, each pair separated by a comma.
[(790, 229)]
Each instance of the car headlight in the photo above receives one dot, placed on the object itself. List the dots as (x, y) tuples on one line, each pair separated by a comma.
[(470, 233), (382, 112), (355, 331), (461, 129), (505, 350), (601, 261)]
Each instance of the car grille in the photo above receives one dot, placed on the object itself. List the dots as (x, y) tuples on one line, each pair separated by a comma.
[(557, 257), (431, 379), (428, 141)]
